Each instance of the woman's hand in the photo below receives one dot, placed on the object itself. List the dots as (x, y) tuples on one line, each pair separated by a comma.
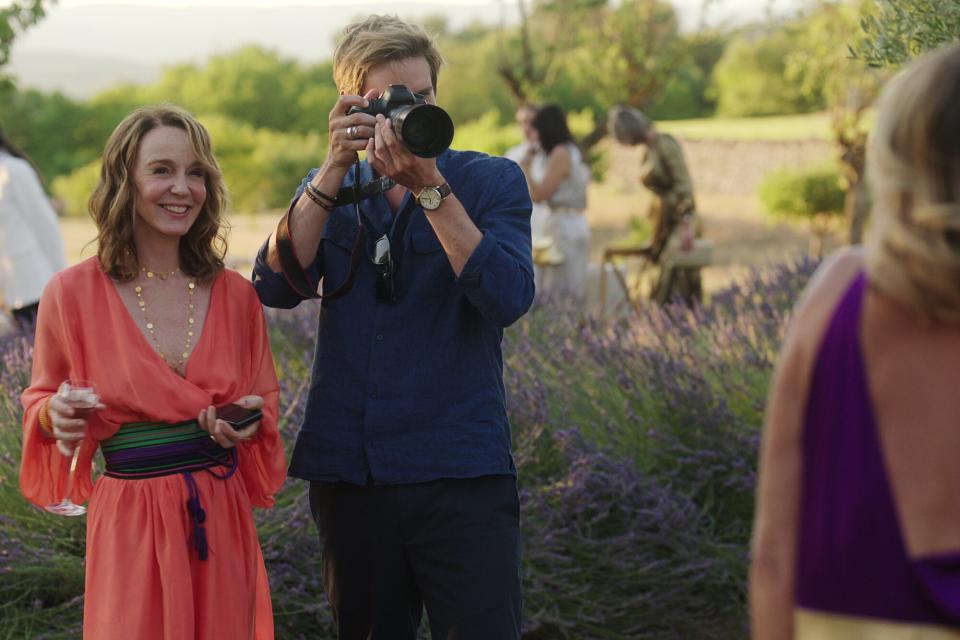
[(68, 423), (221, 431), (348, 134)]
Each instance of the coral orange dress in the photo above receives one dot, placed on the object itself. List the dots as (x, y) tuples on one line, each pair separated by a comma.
[(144, 576)]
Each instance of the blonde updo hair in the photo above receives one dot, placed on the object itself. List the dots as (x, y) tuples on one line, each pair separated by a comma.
[(377, 40), (913, 166)]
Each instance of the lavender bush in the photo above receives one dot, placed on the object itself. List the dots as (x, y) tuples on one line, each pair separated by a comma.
[(635, 439)]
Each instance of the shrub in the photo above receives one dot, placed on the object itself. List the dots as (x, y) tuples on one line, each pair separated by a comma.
[(635, 440), (802, 194), (815, 195), (74, 189)]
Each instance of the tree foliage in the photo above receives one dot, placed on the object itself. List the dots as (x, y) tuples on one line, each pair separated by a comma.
[(16, 17), (751, 77), (252, 85), (894, 31), (821, 63)]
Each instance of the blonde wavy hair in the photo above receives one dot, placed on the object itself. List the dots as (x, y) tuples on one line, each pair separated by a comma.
[(913, 166), (113, 203), (377, 40)]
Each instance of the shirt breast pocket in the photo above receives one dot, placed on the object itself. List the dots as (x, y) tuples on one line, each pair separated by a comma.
[(337, 244), (430, 267)]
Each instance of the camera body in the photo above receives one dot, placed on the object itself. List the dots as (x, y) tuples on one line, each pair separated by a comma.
[(425, 129)]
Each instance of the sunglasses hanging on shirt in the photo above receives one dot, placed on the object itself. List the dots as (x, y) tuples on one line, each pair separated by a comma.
[(382, 257)]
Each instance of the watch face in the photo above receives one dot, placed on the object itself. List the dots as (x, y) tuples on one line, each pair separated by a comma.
[(430, 198)]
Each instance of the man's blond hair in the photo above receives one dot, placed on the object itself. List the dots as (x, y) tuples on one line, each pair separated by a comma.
[(377, 40)]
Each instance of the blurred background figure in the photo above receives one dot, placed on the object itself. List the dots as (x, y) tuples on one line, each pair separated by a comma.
[(857, 532), (544, 252), (673, 212), (558, 177), (31, 247)]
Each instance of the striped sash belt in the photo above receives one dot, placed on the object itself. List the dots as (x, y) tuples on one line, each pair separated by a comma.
[(152, 449)]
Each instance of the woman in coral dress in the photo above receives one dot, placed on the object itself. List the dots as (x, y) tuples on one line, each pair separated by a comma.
[(166, 334)]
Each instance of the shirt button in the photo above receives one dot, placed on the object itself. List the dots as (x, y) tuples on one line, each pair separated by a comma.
[(379, 336)]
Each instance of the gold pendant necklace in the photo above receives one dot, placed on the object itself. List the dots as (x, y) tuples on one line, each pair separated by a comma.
[(151, 326)]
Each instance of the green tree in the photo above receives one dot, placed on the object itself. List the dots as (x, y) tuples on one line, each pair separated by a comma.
[(821, 64), (749, 80), (894, 31), (251, 85), (687, 92), (623, 52), (53, 129), (468, 85), (15, 18)]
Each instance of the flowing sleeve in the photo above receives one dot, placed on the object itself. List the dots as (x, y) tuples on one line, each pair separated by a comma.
[(44, 471), (263, 465)]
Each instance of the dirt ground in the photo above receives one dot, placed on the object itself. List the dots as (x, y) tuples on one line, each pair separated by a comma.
[(725, 175)]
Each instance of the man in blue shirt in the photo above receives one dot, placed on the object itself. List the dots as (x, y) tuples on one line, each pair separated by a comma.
[(405, 439)]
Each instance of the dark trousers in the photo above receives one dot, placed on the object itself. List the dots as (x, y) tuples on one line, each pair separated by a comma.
[(450, 545)]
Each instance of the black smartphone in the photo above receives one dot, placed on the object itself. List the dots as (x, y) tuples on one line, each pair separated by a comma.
[(238, 417)]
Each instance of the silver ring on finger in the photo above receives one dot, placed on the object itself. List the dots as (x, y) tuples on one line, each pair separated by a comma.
[(352, 132)]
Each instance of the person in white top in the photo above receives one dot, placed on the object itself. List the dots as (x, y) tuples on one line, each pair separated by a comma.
[(558, 177), (31, 247), (538, 216)]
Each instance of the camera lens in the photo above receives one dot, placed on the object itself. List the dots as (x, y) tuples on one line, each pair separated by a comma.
[(425, 129)]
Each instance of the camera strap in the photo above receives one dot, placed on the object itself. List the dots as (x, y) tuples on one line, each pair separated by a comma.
[(294, 273), (350, 195)]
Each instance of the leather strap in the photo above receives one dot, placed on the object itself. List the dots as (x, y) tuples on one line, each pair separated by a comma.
[(295, 274), (349, 195)]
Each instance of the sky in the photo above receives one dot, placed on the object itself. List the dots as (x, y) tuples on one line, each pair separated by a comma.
[(86, 45)]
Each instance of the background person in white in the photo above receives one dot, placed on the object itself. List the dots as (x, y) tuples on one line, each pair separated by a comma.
[(31, 247), (561, 186), (525, 116)]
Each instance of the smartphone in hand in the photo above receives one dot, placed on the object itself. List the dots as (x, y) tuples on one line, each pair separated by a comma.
[(238, 417)]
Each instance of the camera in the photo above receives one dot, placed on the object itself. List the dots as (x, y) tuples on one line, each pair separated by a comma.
[(425, 129)]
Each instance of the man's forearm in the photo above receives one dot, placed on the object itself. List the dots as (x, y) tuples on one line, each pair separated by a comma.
[(457, 233), (308, 220)]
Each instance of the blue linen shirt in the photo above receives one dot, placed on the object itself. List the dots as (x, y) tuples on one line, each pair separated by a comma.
[(412, 391)]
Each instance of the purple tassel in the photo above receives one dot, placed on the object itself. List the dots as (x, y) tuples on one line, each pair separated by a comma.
[(197, 515)]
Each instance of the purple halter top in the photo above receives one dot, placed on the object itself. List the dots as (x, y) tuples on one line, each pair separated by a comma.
[(851, 557)]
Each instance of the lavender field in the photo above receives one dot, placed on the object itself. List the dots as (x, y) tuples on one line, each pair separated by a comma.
[(635, 438)]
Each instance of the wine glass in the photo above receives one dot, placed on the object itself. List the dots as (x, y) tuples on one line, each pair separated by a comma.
[(81, 395)]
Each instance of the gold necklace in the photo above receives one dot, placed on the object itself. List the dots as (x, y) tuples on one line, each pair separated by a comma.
[(151, 327), (163, 275)]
